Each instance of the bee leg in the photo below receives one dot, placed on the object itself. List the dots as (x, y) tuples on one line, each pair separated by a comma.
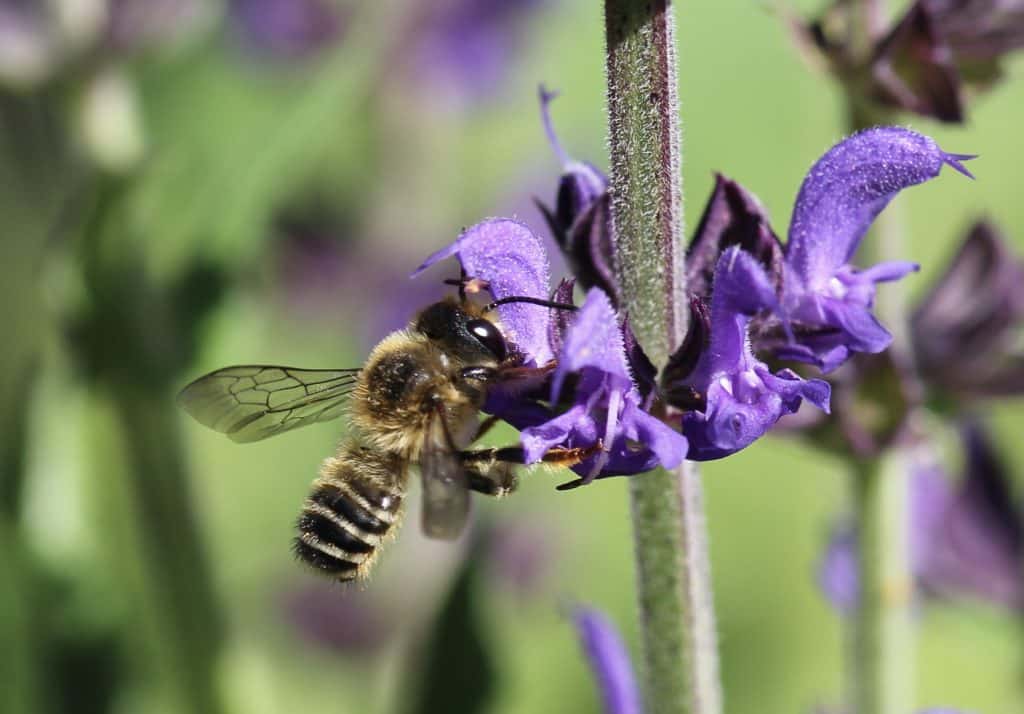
[(499, 481), (485, 426), (487, 473)]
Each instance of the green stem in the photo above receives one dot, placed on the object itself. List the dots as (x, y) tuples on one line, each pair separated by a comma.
[(646, 157), (883, 663), (677, 614), (882, 652), (680, 653)]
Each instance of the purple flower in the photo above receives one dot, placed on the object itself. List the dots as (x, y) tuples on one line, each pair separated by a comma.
[(512, 261), (29, 43), (347, 621), (967, 540), (462, 49), (594, 403), (803, 301), (138, 25), (581, 219), (838, 577), (964, 331), (523, 554), (606, 407), (742, 397), (607, 656), (287, 29), (827, 300)]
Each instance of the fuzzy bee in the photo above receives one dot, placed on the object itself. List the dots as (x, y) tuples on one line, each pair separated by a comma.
[(416, 401)]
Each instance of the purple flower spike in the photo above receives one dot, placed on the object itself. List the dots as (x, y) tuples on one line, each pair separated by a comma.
[(609, 661), (580, 221), (838, 201), (742, 398), (512, 261), (966, 539), (605, 406)]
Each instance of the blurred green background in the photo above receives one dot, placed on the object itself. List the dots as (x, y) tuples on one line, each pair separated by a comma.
[(209, 198)]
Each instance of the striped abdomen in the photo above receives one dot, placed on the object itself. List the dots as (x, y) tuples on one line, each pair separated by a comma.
[(354, 504)]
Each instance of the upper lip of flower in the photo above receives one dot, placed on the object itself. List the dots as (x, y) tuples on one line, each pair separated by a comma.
[(839, 199)]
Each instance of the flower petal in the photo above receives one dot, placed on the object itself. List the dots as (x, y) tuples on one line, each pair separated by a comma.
[(592, 341), (574, 427), (733, 216), (742, 399), (512, 260), (609, 661), (847, 188), (581, 219)]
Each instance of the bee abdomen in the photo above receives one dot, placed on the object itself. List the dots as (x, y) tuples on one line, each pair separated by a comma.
[(342, 524)]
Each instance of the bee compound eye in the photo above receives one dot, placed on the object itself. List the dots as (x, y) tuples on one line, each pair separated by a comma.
[(488, 335)]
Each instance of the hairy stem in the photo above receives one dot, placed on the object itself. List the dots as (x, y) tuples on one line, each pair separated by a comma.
[(647, 206), (680, 654)]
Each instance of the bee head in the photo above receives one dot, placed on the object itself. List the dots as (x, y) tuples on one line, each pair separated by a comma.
[(470, 337)]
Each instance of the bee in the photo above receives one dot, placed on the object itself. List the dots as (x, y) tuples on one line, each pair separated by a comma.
[(416, 401)]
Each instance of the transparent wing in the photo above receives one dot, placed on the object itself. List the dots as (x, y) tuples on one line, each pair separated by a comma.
[(445, 484), (253, 402)]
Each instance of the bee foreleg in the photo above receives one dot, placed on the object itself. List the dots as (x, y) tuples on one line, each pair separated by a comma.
[(490, 469), (485, 426)]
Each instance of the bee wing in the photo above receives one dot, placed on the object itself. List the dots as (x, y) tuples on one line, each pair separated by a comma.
[(445, 484), (253, 402)]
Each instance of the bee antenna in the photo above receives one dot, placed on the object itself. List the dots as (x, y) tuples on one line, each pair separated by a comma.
[(531, 301)]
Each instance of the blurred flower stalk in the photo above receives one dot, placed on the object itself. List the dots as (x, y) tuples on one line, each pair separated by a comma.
[(931, 61), (612, 667)]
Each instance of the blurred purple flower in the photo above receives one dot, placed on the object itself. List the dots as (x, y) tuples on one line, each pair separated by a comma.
[(322, 270), (288, 29), (346, 621), (581, 219), (967, 540), (463, 48), (28, 43), (965, 330), (522, 554), (138, 25), (605, 413), (37, 41), (742, 397), (609, 660)]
